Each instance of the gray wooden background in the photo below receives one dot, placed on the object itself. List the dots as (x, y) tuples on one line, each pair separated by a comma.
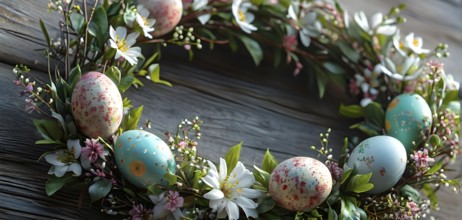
[(264, 107)]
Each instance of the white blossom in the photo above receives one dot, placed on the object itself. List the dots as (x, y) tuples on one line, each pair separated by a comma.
[(231, 192), (123, 43), (65, 160), (242, 16)]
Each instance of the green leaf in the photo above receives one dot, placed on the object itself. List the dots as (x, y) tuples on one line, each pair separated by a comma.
[(410, 192), (430, 192), (45, 32), (266, 205), (367, 128), (334, 68), (375, 114), (133, 118), (48, 141), (269, 162), (253, 47), (126, 82), (345, 176), (351, 111), (99, 27), (77, 22), (54, 184), (232, 157), (171, 178), (435, 168), (99, 189), (114, 74), (262, 177), (49, 129), (348, 210), (332, 215), (349, 52), (359, 183), (74, 76), (154, 74), (322, 79)]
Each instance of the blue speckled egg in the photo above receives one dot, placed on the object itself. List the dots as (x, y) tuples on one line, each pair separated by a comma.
[(407, 118), (143, 158), (383, 156)]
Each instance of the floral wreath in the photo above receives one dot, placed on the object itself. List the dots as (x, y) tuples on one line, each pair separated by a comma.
[(407, 107)]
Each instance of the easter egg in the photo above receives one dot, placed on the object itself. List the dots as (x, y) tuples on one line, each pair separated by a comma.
[(143, 158), (383, 156), (166, 12), (407, 118), (300, 184), (97, 105)]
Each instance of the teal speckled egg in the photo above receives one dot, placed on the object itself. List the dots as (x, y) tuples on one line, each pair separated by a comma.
[(407, 118), (384, 157), (143, 158)]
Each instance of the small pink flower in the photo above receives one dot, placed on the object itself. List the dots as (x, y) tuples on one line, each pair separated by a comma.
[(289, 42), (91, 152), (421, 158), (335, 170), (298, 68), (174, 201), (182, 144), (139, 212)]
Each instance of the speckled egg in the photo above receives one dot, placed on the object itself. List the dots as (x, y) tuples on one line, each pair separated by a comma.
[(143, 158), (166, 12), (300, 184), (383, 156), (407, 118), (97, 105)]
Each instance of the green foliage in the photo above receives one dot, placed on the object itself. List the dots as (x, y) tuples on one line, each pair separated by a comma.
[(253, 47), (232, 157), (351, 111), (99, 26), (359, 183), (54, 183), (410, 192), (49, 129), (269, 162), (99, 189), (130, 122)]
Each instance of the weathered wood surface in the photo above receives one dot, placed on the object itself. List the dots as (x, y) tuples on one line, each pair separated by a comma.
[(263, 107)]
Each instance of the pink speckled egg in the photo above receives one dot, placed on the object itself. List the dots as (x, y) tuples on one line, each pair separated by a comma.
[(166, 12), (300, 184), (97, 105)]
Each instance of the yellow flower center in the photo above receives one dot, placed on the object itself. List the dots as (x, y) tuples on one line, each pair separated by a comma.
[(229, 188), (415, 42), (145, 21), (121, 44), (241, 16)]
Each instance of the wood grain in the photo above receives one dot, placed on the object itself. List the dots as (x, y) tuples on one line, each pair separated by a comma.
[(264, 107)]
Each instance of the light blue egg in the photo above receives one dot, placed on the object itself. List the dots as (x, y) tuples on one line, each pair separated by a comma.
[(384, 157), (143, 158), (407, 119)]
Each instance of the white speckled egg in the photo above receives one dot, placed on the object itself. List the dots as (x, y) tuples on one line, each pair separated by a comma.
[(166, 12), (300, 184), (143, 158), (97, 105), (407, 118), (383, 156)]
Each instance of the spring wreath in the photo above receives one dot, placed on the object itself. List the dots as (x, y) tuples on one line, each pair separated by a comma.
[(407, 107)]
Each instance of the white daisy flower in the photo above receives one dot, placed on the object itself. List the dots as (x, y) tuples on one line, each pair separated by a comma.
[(231, 192), (377, 24), (120, 41), (411, 44), (65, 160), (144, 22), (242, 16)]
